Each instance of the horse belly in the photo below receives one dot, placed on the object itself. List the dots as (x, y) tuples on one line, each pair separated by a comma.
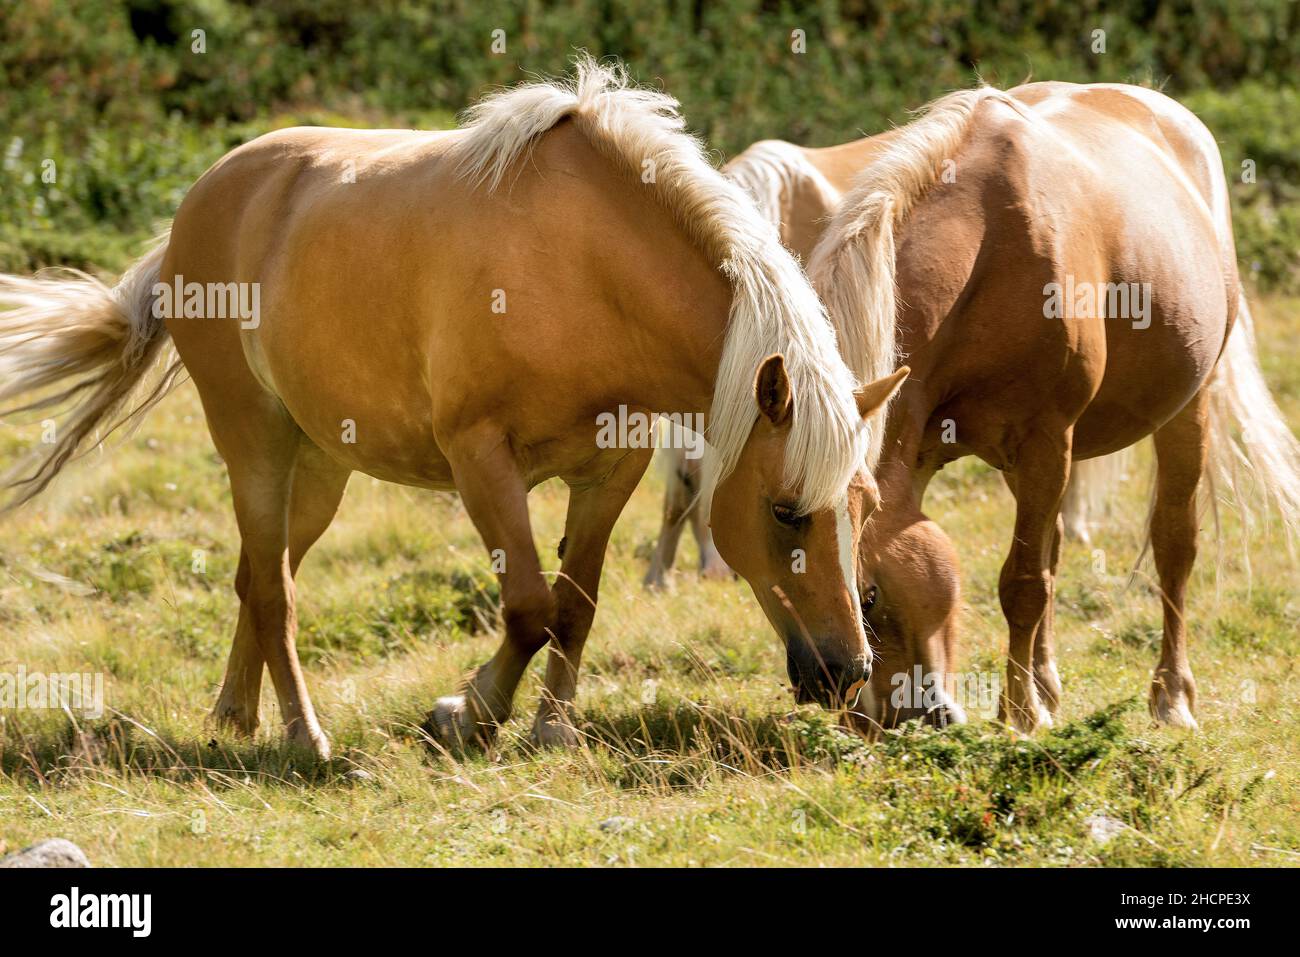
[(356, 388)]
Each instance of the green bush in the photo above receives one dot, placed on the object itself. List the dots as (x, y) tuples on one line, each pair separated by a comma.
[(121, 98)]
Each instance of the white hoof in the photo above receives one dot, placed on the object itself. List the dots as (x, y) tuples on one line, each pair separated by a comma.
[(1174, 712), (309, 739), (453, 724), (1024, 717)]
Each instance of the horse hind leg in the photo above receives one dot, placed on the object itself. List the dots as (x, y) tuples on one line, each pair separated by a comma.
[(316, 491), (1181, 447), (1075, 508), (677, 507), (712, 564), (690, 481), (238, 704), (260, 444), (1047, 678)]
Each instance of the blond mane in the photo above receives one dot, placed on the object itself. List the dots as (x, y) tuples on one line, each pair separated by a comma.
[(770, 171), (852, 266), (774, 307)]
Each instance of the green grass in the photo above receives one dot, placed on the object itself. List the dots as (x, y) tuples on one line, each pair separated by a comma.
[(692, 751)]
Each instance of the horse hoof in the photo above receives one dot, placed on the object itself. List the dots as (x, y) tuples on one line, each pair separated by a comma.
[(311, 740), (236, 720), (452, 725), (1024, 718), (553, 732), (944, 714), (1173, 711), (1171, 699)]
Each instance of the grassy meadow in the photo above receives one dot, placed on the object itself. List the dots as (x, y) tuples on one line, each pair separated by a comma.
[(692, 752)]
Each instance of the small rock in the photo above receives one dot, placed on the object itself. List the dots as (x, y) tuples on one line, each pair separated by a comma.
[(1102, 828), (55, 852), (616, 825), (361, 775)]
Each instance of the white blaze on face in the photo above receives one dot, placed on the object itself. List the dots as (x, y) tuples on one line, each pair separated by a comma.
[(848, 563)]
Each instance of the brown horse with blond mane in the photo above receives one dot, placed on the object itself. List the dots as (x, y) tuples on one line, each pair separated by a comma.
[(798, 188), (1069, 290), (455, 310)]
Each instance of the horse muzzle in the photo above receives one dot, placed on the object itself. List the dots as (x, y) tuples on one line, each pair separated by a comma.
[(821, 679)]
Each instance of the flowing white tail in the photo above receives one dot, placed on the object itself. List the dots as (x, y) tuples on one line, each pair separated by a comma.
[(1253, 452), (70, 342), (1088, 496)]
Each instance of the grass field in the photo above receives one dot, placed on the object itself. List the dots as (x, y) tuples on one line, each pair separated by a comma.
[(692, 753)]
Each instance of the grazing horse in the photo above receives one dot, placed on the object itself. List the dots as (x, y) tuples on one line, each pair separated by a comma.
[(1069, 290), (457, 310), (797, 188)]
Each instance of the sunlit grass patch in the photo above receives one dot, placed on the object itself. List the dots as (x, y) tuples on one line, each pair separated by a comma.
[(690, 749)]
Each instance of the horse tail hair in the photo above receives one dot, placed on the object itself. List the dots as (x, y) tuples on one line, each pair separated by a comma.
[(1252, 451), (1087, 497), (69, 342)]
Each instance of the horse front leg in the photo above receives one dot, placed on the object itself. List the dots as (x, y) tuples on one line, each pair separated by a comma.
[(495, 494), (593, 510), (1025, 586)]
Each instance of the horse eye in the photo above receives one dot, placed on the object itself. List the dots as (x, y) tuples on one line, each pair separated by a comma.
[(869, 599), (785, 515)]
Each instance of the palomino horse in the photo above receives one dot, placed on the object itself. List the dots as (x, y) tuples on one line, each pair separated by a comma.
[(797, 188), (1071, 289), (456, 310)]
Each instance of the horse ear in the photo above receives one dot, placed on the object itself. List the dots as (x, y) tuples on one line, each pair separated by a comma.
[(772, 390), (873, 396)]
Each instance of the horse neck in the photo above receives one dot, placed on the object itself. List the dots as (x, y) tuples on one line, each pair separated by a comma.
[(677, 306), (667, 303)]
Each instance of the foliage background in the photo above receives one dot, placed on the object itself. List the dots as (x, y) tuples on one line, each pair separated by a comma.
[(115, 95)]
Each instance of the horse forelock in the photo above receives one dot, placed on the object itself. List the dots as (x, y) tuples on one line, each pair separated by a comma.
[(774, 308), (853, 264)]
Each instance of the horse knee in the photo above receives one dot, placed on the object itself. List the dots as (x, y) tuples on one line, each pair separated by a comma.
[(1024, 598), (243, 576), (529, 618)]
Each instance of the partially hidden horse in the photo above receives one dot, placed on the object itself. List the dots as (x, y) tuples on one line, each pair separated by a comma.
[(1071, 288), (798, 188), (456, 310)]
